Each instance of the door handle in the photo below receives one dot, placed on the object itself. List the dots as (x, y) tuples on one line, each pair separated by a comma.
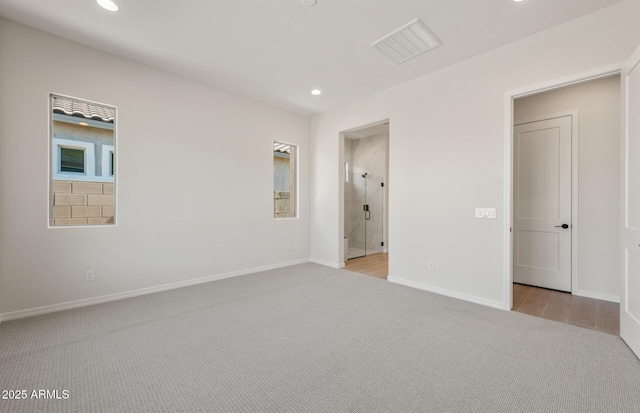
[(565, 226)]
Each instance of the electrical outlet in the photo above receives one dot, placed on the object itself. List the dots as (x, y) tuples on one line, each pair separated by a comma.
[(431, 266), (89, 275), (485, 212)]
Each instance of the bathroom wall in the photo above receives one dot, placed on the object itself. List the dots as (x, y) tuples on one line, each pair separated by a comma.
[(366, 155)]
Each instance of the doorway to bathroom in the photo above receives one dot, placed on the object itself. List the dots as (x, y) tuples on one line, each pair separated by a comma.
[(364, 207), (365, 199)]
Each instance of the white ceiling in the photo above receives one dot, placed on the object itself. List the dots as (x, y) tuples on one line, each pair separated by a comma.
[(278, 50)]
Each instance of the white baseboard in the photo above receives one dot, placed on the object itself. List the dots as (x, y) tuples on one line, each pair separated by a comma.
[(597, 296), (327, 263), (143, 291), (453, 294)]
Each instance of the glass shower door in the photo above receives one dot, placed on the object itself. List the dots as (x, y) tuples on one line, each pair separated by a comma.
[(355, 231), (364, 223)]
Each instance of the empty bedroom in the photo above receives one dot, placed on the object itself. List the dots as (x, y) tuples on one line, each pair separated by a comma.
[(310, 206)]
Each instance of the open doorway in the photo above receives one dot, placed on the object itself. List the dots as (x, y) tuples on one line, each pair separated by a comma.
[(365, 211), (565, 204)]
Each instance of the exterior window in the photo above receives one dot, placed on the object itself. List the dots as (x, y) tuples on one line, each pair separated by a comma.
[(71, 160), (285, 173), (82, 180), (107, 161)]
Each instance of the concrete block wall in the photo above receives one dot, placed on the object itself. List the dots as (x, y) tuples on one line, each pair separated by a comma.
[(283, 205), (82, 203)]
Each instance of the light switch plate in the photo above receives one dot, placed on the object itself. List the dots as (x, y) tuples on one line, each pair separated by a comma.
[(485, 212)]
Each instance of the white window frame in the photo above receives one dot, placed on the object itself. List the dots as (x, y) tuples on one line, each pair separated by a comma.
[(107, 150), (89, 160), (296, 180)]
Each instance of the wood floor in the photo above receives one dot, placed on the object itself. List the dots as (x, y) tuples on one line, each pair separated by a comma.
[(375, 265), (566, 308), (603, 316)]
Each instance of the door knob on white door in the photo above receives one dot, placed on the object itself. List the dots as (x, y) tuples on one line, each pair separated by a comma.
[(565, 226)]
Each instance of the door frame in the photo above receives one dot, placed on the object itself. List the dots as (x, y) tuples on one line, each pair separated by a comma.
[(509, 97), (575, 219), (341, 212), (629, 323)]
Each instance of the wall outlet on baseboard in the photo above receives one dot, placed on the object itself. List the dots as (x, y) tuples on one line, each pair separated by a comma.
[(89, 275), (431, 266)]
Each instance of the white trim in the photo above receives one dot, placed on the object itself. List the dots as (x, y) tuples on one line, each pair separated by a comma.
[(106, 161), (575, 200), (453, 294), (507, 265), (625, 137), (341, 209), (597, 296), (327, 263), (89, 160), (297, 180), (629, 236), (143, 291), (611, 70), (342, 179), (49, 178), (606, 71)]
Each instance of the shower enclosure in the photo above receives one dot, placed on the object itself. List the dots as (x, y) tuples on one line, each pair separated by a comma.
[(364, 196)]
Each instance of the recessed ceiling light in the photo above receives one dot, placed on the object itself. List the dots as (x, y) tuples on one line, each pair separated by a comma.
[(108, 5), (517, 1), (316, 92), (83, 124), (309, 3)]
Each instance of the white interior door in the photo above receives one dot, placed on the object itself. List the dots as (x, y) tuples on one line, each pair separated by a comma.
[(630, 297), (542, 203)]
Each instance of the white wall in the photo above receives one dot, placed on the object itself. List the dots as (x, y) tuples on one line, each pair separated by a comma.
[(598, 106), (447, 153), (195, 177)]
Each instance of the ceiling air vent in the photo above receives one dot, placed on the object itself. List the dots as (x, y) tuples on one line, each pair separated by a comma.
[(409, 41)]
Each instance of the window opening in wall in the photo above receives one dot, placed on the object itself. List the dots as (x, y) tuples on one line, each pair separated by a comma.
[(285, 180), (83, 152)]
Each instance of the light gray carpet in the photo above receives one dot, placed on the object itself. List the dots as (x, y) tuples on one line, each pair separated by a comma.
[(312, 339)]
